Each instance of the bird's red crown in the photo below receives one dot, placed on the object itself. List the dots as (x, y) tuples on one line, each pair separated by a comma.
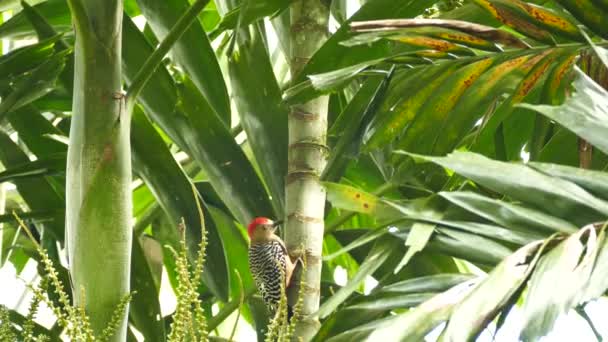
[(256, 222)]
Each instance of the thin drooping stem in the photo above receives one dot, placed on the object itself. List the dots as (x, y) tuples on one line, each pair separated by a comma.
[(147, 70), (98, 189), (228, 309), (307, 154)]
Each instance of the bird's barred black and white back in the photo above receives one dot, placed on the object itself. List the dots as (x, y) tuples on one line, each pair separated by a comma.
[(268, 265)]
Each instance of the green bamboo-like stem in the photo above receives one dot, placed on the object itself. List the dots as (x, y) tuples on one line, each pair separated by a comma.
[(305, 197), (99, 200), (228, 309), (98, 191), (147, 70)]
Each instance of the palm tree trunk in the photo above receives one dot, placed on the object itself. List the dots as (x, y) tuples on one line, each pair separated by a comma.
[(305, 197), (98, 203)]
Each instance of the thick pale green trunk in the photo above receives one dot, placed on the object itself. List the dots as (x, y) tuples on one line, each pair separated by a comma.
[(305, 197), (98, 222)]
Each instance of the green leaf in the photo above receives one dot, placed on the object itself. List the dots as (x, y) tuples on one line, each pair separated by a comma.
[(232, 236), (39, 23), (20, 320), (370, 307), (19, 27), (50, 165), (45, 30), (433, 115), (513, 19), (225, 163), (351, 125), (210, 195), (478, 100), (429, 46), (262, 113), (333, 258), (386, 303), (26, 58), (358, 242), (467, 246), (54, 102), (252, 12), (433, 46), (550, 294), (429, 210), (38, 193), (32, 216), (353, 199), (377, 256), (554, 93), (332, 55), (35, 85), (531, 20), (260, 316), (536, 69), (403, 101), (173, 191), (164, 232), (601, 52), (144, 309), (587, 13), (345, 320), (415, 324), (10, 238), (595, 182), (143, 203), (464, 31), (523, 183), (598, 282), (131, 8), (433, 283), (359, 332), (325, 83), (192, 51), (210, 18), (489, 296), (417, 239), (36, 132), (9, 5), (507, 214), (584, 113), (196, 129), (159, 96), (493, 232)]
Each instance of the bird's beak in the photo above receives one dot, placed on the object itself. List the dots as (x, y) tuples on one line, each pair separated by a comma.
[(276, 224)]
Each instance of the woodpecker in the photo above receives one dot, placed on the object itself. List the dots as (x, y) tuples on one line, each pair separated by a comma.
[(268, 261)]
